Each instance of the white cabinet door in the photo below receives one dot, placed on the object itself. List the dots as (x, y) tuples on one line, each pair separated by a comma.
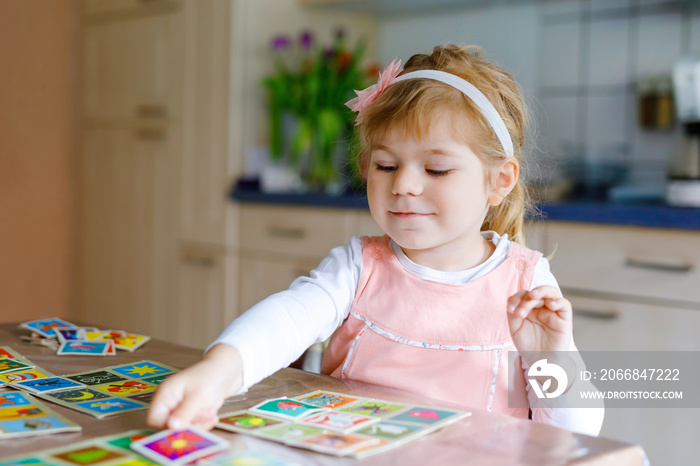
[(260, 278), (207, 173), (603, 325), (206, 286), (125, 239), (133, 68)]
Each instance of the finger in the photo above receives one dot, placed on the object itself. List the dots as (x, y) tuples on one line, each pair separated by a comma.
[(515, 300), (187, 411), (527, 304), (166, 399), (545, 292), (206, 419)]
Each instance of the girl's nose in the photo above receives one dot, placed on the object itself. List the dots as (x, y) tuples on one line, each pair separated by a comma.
[(406, 182)]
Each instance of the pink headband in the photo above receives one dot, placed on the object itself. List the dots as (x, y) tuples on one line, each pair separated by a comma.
[(390, 75)]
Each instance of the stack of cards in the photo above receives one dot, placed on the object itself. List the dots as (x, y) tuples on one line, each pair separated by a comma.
[(15, 368), (338, 424), (143, 448), (69, 339), (23, 415), (103, 392)]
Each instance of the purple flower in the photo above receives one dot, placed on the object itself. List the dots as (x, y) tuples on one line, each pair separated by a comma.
[(280, 43), (306, 38)]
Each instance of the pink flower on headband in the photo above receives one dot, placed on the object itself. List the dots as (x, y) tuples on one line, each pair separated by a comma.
[(365, 97)]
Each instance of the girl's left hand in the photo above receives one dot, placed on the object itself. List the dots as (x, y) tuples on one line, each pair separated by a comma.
[(540, 320)]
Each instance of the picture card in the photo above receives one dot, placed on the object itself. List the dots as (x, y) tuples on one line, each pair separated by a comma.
[(425, 415), (142, 369), (327, 399), (19, 376), (246, 458), (374, 408), (23, 415), (126, 341), (288, 432), (171, 447), (125, 387), (336, 443), (244, 421), (83, 348), (338, 421), (286, 408), (76, 395), (89, 454), (108, 406), (13, 365), (45, 327), (95, 377), (69, 333), (6, 352), (46, 384)]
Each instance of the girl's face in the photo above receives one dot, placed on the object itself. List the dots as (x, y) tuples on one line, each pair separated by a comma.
[(430, 196)]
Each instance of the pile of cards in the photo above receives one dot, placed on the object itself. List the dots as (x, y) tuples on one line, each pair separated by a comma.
[(103, 392), (338, 424), (15, 368), (23, 415), (143, 447), (70, 339)]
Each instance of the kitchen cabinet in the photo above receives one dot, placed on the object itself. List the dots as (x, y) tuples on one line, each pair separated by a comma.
[(280, 243), (634, 289), (156, 229), (125, 225)]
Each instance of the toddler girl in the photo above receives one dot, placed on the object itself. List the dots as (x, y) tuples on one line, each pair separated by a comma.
[(435, 305)]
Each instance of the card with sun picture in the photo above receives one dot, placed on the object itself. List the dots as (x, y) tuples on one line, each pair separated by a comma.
[(172, 447)]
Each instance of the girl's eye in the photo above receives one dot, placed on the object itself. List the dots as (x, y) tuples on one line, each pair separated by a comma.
[(386, 168), (434, 172)]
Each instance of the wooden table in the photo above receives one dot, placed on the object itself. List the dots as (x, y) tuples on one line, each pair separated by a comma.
[(483, 438)]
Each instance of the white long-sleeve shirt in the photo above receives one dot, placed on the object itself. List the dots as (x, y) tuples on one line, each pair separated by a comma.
[(275, 332)]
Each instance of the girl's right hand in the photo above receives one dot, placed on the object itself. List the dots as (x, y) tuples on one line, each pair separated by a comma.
[(193, 396)]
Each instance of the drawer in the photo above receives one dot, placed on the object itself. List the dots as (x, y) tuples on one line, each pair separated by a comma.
[(294, 231), (632, 264)]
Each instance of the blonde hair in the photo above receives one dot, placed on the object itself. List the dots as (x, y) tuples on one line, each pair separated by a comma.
[(409, 105)]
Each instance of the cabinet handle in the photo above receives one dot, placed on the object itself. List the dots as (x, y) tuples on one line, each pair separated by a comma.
[(150, 134), (657, 266), (151, 110), (286, 232), (200, 261), (599, 315)]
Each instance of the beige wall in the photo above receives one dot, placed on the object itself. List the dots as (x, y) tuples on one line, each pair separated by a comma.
[(38, 57)]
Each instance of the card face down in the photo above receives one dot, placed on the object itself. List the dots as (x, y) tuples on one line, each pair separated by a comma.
[(174, 447)]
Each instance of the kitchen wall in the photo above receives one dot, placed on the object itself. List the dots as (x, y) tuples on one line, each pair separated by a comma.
[(580, 62), (38, 58)]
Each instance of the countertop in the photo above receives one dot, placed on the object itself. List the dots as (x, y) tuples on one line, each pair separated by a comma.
[(483, 438), (649, 214)]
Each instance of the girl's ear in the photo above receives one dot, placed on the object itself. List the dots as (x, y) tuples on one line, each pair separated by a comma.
[(504, 181)]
